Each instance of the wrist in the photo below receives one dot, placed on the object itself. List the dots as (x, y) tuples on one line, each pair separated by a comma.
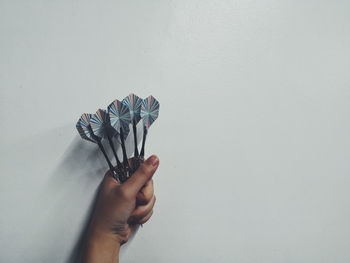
[(100, 231), (101, 247)]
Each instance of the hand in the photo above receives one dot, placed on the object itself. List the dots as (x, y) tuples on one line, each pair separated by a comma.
[(119, 208)]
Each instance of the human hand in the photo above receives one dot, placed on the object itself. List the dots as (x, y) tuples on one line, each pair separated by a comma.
[(118, 210)]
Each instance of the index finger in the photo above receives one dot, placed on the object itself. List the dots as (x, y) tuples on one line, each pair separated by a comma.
[(145, 194)]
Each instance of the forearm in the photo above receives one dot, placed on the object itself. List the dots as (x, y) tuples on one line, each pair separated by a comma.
[(100, 249)]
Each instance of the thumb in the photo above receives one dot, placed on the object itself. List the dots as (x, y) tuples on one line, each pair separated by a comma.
[(143, 174)]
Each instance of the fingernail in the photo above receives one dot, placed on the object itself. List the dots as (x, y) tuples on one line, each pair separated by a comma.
[(153, 160)]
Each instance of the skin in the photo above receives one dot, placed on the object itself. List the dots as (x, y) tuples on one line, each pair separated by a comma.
[(119, 209)]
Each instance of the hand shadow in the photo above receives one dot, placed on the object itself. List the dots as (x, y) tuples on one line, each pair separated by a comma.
[(84, 165)]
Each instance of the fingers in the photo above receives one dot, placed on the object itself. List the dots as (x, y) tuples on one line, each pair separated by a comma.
[(145, 194), (143, 174), (141, 212), (146, 218)]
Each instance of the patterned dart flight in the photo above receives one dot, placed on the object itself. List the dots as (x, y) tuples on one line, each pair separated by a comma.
[(149, 113), (102, 128), (119, 115), (85, 130)]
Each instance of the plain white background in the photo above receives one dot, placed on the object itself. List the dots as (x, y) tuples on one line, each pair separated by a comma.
[(253, 133)]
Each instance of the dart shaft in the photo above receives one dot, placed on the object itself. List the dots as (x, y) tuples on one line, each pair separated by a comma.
[(105, 155), (142, 153), (113, 150), (136, 150), (125, 157), (98, 141)]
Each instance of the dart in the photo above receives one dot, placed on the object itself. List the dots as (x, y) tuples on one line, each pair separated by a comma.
[(102, 128), (85, 130), (134, 103), (115, 124), (119, 115), (149, 113)]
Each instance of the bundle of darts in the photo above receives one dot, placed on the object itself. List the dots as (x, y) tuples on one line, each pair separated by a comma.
[(113, 125)]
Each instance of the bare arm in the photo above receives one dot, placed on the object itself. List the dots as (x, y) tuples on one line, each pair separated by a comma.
[(118, 210)]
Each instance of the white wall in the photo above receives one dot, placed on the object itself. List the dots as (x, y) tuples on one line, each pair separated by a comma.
[(253, 134)]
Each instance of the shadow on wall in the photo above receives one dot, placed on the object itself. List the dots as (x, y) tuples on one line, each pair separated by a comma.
[(80, 161), (77, 158), (48, 190), (72, 188)]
